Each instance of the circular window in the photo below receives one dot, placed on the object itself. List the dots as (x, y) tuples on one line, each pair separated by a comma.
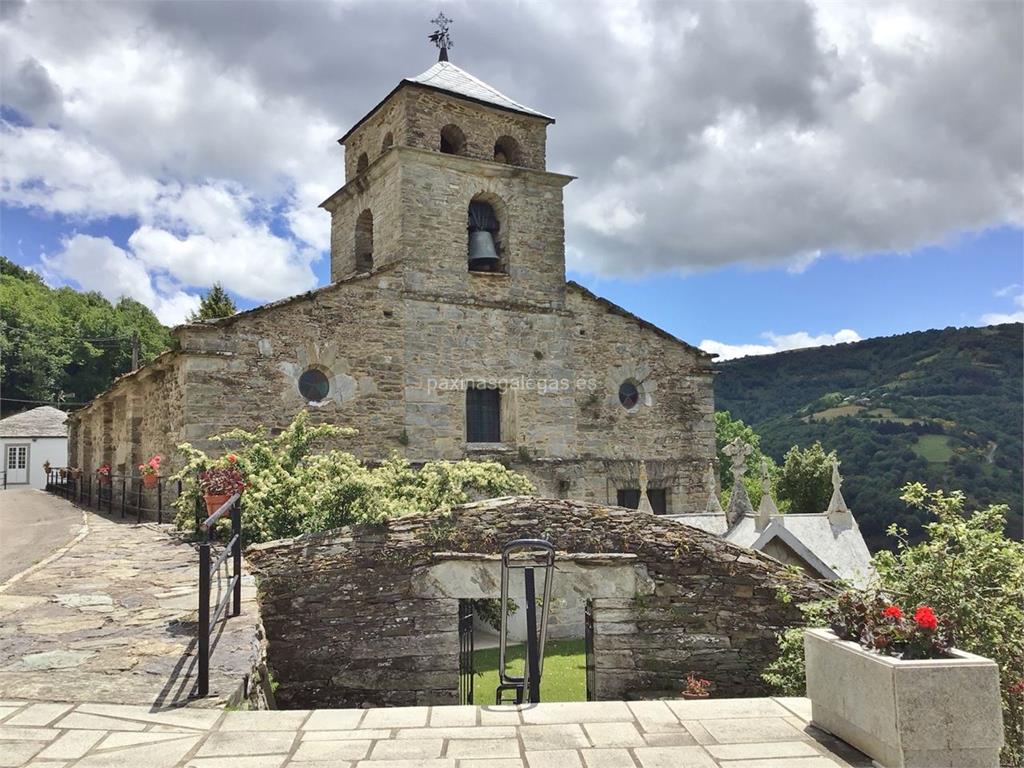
[(313, 385), (629, 395)]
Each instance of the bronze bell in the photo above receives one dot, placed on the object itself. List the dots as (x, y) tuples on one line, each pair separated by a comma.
[(483, 256)]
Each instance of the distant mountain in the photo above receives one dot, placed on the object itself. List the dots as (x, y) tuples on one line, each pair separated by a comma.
[(944, 407)]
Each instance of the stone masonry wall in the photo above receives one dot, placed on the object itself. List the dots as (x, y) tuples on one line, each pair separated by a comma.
[(349, 622)]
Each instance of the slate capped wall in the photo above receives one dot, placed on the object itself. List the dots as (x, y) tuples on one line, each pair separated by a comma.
[(348, 623)]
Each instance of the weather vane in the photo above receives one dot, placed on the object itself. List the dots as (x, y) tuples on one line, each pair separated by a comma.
[(441, 36)]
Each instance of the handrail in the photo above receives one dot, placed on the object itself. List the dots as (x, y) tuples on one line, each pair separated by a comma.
[(234, 587), (131, 491)]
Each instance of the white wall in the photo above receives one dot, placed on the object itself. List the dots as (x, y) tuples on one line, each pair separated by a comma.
[(40, 450)]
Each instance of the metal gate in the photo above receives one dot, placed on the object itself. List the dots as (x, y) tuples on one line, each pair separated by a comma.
[(465, 651), (588, 641)]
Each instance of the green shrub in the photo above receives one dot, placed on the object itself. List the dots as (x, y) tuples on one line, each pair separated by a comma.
[(291, 490), (968, 571)]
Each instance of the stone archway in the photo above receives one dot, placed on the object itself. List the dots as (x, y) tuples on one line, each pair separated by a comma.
[(368, 614)]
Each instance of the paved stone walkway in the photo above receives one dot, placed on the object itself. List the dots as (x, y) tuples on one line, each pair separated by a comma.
[(722, 733), (111, 617)]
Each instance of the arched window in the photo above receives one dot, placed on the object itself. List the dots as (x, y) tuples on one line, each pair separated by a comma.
[(364, 241), (453, 140), (485, 236), (389, 140), (506, 150), (363, 163)]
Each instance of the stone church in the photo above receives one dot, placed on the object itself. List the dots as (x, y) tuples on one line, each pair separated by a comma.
[(448, 329)]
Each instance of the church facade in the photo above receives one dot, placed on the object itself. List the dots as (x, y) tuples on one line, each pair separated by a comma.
[(448, 331)]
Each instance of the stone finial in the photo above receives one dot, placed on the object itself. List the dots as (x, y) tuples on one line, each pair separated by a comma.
[(714, 506), (644, 505), (837, 504), (767, 507), (739, 501)]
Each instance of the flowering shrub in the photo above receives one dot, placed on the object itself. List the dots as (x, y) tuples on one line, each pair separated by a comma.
[(967, 573), (103, 470), (879, 625), (290, 490), (151, 467)]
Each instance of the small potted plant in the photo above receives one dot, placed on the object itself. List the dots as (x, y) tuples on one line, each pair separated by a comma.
[(150, 472), (220, 482), (103, 474), (76, 472), (63, 472), (696, 687), (46, 467)]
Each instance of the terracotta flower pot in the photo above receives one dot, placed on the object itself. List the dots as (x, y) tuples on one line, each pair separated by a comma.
[(215, 501), (104, 479), (688, 695), (150, 481)]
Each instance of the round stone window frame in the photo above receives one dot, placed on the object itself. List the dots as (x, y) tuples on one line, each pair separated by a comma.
[(629, 394), (314, 376)]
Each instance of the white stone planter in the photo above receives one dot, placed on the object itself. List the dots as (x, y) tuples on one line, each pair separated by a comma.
[(933, 713)]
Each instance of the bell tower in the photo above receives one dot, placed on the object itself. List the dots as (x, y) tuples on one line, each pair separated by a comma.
[(446, 178)]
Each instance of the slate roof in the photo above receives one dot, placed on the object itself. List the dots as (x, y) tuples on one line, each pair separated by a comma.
[(445, 76), (837, 543), (45, 421)]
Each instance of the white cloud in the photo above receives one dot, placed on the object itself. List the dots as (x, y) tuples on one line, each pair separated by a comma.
[(998, 318), (1007, 290), (778, 343), (97, 264)]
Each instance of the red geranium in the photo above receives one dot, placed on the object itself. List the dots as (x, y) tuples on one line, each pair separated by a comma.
[(893, 612), (925, 618), (232, 458)]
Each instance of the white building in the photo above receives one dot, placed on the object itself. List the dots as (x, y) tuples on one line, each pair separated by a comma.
[(30, 439)]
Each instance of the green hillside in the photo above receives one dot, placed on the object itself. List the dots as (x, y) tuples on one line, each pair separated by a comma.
[(61, 346), (943, 407)]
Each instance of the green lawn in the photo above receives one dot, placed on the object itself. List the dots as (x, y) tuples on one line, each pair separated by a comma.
[(564, 671), (933, 448)]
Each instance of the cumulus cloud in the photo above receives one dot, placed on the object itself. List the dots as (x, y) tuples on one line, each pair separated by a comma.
[(778, 343), (97, 264), (1014, 316), (703, 134)]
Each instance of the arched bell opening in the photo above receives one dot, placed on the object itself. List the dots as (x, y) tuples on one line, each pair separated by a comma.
[(453, 140), (362, 163), (485, 251), (364, 242), (387, 143), (506, 150)]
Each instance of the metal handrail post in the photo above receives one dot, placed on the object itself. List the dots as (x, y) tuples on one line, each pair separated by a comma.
[(236, 555), (160, 501), (204, 617)]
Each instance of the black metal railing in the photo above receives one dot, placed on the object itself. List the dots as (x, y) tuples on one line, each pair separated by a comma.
[(131, 494), (207, 569)]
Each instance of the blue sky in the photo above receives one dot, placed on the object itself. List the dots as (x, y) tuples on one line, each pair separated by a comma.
[(750, 176)]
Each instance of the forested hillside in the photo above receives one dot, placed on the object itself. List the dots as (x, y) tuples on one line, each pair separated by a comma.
[(60, 346), (943, 407)]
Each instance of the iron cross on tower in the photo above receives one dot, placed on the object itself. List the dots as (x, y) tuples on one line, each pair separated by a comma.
[(441, 37)]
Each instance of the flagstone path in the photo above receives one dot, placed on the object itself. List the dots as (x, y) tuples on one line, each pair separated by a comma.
[(111, 617), (716, 733)]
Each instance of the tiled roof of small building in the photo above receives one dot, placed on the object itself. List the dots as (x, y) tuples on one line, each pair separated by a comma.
[(445, 76), (45, 421)]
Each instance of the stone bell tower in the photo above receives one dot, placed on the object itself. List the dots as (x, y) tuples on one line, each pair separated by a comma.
[(446, 177)]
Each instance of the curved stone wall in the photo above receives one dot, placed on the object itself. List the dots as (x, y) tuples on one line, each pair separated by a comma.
[(367, 615)]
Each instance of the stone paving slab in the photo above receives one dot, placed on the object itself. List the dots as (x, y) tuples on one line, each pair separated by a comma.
[(98, 735), (111, 617)]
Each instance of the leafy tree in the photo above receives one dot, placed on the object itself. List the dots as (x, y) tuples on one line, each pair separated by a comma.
[(805, 479), (968, 570), (290, 489), (55, 341), (215, 304)]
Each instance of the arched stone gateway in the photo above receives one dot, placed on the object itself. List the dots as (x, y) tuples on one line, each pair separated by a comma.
[(369, 614)]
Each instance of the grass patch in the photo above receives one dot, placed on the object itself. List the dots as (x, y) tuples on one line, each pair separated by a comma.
[(933, 448), (834, 413), (564, 679)]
